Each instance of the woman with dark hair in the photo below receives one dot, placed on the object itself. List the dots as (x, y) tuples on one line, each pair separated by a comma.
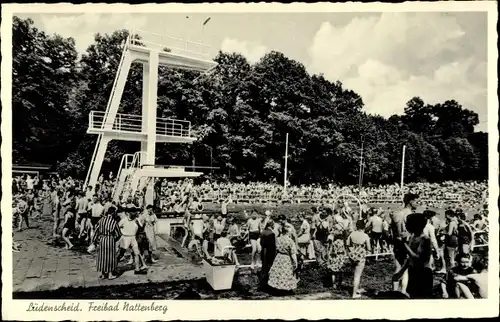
[(268, 250), (419, 250), (107, 233)]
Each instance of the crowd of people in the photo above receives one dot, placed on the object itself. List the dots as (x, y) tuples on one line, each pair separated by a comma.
[(333, 235), (339, 239)]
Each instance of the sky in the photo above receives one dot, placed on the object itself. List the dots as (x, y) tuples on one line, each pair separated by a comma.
[(387, 58)]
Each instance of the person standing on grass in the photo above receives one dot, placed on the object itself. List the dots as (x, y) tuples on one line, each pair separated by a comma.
[(107, 233), (465, 234), (375, 227), (451, 240), (400, 235), (282, 273), (268, 251), (358, 245), (254, 234), (419, 249), (430, 232)]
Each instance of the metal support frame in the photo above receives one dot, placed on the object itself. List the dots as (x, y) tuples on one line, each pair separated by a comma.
[(146, 128)]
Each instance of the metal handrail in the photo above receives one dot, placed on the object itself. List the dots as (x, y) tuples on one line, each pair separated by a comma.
[(123, 165), (98, 120), (185, 43)]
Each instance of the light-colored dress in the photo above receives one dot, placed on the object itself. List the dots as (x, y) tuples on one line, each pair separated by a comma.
[(281, 275), (149, 228), (338, 261)]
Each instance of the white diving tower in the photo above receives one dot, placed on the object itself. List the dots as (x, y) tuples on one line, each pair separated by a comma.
[(110, 125)]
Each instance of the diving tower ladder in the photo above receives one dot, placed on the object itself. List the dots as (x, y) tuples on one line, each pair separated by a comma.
[(148, 49)]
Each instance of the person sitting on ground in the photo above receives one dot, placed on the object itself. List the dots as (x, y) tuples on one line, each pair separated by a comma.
[(479, 279), (457, 283), (479, 223), (223, 248)]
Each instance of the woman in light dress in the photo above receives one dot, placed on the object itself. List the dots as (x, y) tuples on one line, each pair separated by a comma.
[(282, 273), (358, 245)]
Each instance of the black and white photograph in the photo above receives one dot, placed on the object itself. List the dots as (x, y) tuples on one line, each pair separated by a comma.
[(331, 155)]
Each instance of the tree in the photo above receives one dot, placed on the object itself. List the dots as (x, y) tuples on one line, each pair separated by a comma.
[(44, 72), (240, 114)]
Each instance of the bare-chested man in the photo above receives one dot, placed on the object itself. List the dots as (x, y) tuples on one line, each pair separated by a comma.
[(400, 234)]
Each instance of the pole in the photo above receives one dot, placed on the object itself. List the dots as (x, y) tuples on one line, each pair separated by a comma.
[(361, 163), (203, 28), (403, 167), (286, 163), (211, 161)]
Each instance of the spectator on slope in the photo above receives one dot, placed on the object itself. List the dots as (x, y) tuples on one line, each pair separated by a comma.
[(223, 206), (479, 222)]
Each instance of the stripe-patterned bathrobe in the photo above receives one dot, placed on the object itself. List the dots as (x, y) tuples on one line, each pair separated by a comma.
[(106, 233)]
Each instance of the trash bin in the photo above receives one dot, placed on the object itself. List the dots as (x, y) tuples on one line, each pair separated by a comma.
[(219, 276)]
